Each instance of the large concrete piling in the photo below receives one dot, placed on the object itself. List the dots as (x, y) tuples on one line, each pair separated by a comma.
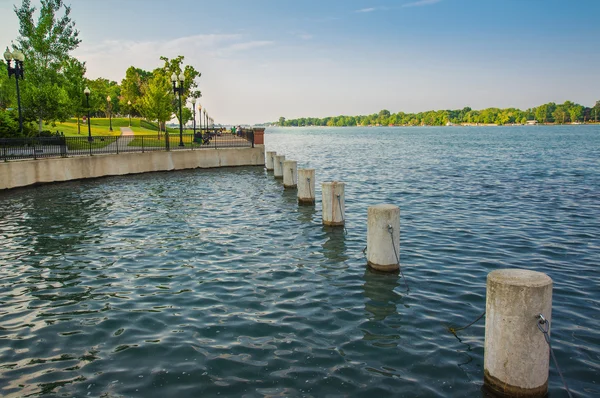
[(333, 203), (383, 237), (270, 158), (516, 358), (290, 174), (278, 166), (306, 186)]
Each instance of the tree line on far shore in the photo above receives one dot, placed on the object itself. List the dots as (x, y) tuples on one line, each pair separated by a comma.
[(568, 112), (54, 81)]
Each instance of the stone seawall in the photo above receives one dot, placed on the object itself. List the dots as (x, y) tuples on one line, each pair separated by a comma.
[(16, 174)]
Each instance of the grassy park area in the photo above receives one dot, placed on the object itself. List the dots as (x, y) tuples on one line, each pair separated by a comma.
[(101, 127)]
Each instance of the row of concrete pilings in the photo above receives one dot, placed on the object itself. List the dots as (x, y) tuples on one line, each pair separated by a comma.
[(518, 302)]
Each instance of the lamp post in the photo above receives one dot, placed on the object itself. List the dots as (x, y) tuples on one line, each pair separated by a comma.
[(194, 112), (200, 112), (178, 89), (129, 107), (108, 107), (19, 57), (205, 119), (87, 101)]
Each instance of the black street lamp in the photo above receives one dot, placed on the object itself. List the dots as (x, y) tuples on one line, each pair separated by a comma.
[(194, 112), (178, 89), (87, 100), (19, 57), (129, 106), (109, 108), (200, 112)]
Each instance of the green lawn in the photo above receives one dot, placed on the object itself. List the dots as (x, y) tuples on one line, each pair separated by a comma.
[(100, 127)]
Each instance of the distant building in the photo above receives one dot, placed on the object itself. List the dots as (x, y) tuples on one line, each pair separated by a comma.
[(532, 122)]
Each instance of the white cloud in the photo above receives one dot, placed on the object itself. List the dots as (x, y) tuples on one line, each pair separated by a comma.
[(366, 10), (305, 36), (421, 3)]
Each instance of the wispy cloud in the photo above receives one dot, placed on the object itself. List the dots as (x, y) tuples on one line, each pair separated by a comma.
[(305, 36), (198, 49), (371, 9), (421, 3)]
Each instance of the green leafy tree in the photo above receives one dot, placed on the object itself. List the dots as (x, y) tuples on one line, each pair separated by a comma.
[(9, 126), (282, 121), (46, 45), (156, 104), (8, 95), (575, 113), (190, 86), (133, 86), (75, 85), (559, 114)]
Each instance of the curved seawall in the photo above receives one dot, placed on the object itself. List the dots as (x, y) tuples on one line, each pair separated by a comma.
[(16, 174)]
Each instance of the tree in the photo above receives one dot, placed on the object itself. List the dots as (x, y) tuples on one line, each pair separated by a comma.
[(75, 85), (559, 114), (156, 104), (575, 113), (46, 46), (133, 86), (189, 85), (7, 88), (186, 114), (282, 121)]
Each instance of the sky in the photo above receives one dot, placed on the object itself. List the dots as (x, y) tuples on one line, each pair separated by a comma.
[(262, 59)]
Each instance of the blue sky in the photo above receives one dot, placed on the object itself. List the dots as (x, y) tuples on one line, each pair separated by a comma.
[(262, 59)]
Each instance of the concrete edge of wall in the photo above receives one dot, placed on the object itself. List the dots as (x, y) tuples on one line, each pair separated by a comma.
[(16, 174)]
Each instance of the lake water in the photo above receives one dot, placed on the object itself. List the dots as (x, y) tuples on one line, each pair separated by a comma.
[(215, 282)]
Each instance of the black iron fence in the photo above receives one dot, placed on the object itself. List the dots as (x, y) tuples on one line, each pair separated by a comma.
[(59, 146)]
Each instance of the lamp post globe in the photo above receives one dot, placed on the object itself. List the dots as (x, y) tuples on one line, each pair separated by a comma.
[(87, 100), (109, 107)]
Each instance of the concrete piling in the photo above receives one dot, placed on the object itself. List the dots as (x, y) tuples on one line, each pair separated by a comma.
[(270, 158), (278, 166), (306, 186), (383, 237), (517, 357), (290, 174), (333, 203)]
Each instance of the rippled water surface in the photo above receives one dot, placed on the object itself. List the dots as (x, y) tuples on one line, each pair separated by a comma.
[(215, 282)]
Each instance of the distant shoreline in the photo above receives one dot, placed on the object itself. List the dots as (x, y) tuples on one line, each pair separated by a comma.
[(455, 125)]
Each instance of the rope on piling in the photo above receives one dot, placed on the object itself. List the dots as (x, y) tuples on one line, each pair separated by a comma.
[(454, 330), (544, 325), (342, 214), (391, 231), (309, 188)]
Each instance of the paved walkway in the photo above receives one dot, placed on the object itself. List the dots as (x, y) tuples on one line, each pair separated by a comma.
[(126, 131), (122, 142)]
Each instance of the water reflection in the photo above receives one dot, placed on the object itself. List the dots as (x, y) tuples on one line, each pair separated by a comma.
[(334, 247), (43, 218), (306, 214), (379, 289), (289, 195)]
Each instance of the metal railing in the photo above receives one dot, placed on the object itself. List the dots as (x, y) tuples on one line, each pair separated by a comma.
[(60, 146)]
